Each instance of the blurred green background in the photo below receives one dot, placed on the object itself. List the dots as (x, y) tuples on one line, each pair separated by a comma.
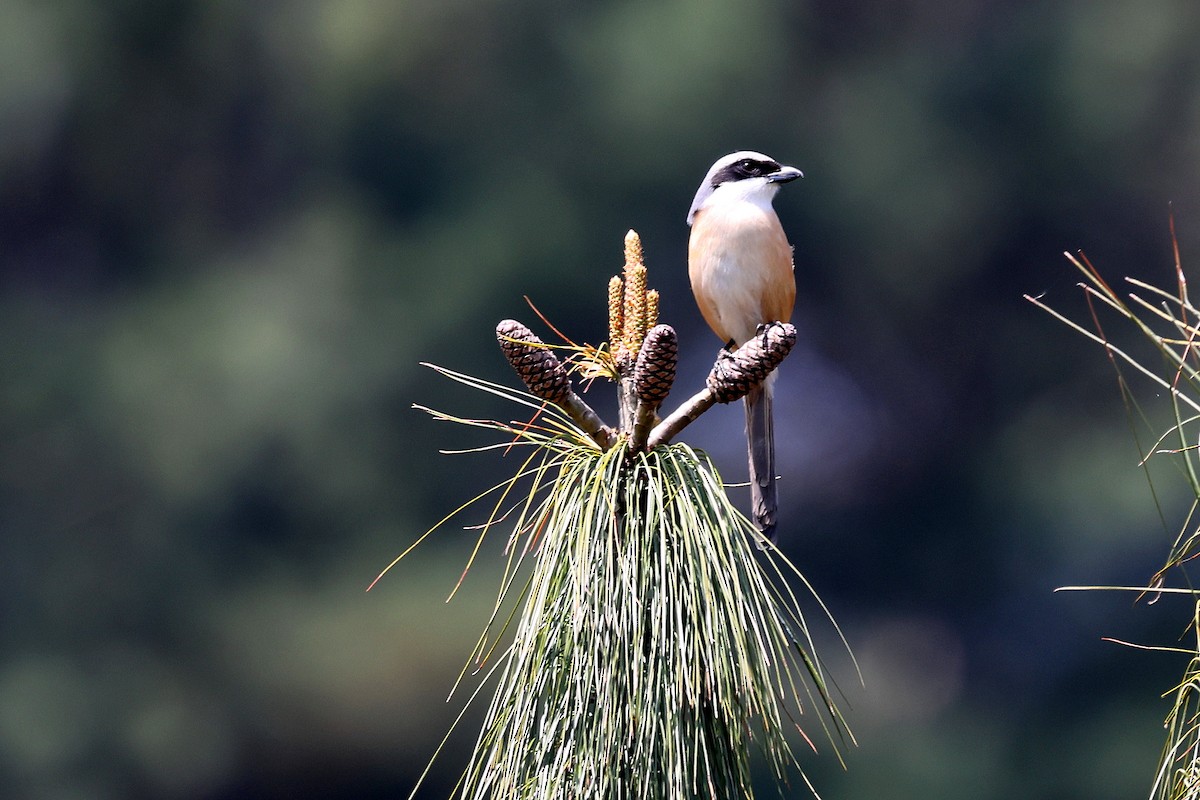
[(230, 231)]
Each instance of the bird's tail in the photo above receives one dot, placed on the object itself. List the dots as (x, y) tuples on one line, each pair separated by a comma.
[(761, 437)]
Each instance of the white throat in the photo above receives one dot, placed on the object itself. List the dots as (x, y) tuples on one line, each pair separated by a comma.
[(757, 191)]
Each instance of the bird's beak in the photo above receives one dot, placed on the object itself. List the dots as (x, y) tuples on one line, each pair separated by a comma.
[(785, 174)]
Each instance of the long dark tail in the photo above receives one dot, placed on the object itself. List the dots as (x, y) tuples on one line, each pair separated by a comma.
[(760, 434)]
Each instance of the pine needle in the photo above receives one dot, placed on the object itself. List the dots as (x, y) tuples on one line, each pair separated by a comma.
[(651, 650)]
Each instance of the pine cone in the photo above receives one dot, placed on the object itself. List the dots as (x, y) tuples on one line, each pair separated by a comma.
[(736, 373), (538, 367), (655, 371)]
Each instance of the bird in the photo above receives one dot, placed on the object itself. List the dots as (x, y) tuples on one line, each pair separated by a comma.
[(741, 271)]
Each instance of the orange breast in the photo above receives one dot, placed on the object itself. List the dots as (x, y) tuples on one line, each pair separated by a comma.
[(740, 266)]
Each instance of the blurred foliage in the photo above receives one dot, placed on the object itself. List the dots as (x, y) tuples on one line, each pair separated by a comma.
[(228, 232)]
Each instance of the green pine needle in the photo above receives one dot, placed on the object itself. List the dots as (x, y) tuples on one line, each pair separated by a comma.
[(1166, 327), (650, 650)]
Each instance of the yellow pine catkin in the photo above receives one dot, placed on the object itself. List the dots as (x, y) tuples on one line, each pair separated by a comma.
[(633, 249), (616, 322), (651, 308), (635, 293), (635, 308)]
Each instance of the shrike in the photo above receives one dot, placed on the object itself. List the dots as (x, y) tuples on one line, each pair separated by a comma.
[(740, 265)]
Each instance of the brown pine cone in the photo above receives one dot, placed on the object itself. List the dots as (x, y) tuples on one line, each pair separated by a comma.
[(538, 367), (736, 373), (655, 370)]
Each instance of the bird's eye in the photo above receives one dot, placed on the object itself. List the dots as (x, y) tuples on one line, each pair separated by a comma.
[(751, 168)]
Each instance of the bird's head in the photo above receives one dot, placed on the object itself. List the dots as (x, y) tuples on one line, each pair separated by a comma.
[(744, 176)]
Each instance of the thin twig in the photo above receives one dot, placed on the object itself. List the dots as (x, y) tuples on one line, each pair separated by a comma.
[(680, 418)]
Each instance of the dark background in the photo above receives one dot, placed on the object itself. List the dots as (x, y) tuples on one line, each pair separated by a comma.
[(230, 231)]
